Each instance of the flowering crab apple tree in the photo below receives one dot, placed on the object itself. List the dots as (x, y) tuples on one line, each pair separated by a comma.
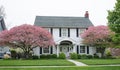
[(26, 37), (98, 36)]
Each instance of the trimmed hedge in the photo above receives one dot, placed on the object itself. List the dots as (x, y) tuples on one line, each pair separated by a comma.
[(49, 56), (84, 56), (89, 56), (35, 57)]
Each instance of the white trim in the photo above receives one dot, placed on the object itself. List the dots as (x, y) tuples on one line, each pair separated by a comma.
[(64, 39)]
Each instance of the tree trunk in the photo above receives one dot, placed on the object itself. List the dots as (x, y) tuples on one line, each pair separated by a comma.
[(27, 54), (102, 50)]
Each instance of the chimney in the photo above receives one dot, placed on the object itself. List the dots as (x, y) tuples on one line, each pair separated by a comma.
[(86, 14)]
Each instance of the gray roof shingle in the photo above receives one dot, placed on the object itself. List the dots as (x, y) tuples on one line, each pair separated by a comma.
[(57, 21)]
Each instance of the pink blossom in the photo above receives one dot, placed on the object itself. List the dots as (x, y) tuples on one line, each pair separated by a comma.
[(26, 36), (96, 34)]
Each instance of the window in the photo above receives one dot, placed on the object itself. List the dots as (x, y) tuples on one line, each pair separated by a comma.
[(60, 49), (81, 31), (48, 29), (64, 32), (82, 49), (67, 49), (46, 50)]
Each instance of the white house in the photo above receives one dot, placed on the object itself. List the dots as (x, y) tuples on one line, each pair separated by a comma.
[(3, 27), (66, 33)]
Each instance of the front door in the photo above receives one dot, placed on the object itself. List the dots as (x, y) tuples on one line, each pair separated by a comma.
[(66, 49)]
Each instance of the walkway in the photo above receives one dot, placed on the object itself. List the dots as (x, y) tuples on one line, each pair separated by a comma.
[(77, 63)]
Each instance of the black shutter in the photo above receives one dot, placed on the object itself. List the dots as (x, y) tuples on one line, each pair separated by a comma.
[(51, 30), (68, 32), (51, 50), (40, 50), (86, 28), (77, 32), (60, 32), (77, 49), (87, 49), (2, 24)]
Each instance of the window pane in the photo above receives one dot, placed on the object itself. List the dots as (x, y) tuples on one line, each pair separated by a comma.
[(64, 32), (46, 50), (82, 49)]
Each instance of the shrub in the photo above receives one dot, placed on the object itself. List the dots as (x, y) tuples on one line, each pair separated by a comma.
[(83, 56), (61, 56), (108, 54), (73, 56), (6, 56), (42, 56), (96, 56), (35, 57), (79, 56), (48, 56), (89, 56), (13, 54), (54, 55)]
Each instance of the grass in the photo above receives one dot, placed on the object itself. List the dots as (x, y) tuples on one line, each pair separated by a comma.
[(100, 61), (54, 62), (67, 68)]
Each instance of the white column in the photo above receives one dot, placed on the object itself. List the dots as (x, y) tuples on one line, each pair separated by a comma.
[(54, 49), (74, 48), (57, 50)]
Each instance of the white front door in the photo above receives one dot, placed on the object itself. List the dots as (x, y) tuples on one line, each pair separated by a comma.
[(66, 50)]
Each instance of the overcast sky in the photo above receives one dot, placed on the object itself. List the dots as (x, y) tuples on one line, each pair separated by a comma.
[(24, 11)]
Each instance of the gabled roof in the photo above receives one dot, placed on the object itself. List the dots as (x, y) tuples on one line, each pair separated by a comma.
[(2, 24), (58, 21)]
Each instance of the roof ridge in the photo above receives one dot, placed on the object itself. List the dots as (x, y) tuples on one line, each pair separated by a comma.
[(62, 16)]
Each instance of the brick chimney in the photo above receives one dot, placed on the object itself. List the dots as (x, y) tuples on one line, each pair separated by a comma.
[(86, 14)]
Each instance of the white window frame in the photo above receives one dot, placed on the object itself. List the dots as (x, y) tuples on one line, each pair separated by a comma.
[(64, 32)]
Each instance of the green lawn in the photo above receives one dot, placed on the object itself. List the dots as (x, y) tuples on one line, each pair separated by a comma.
[(54, 62), (100, 61), (67, 68)]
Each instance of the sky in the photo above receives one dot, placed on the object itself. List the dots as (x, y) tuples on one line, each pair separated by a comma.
[(20, 12)]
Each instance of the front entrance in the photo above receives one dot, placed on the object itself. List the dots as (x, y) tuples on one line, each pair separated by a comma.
[(66, 47)]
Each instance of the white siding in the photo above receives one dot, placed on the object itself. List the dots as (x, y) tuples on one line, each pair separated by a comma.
[(36, 51), (56, 34), (73, 38)]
